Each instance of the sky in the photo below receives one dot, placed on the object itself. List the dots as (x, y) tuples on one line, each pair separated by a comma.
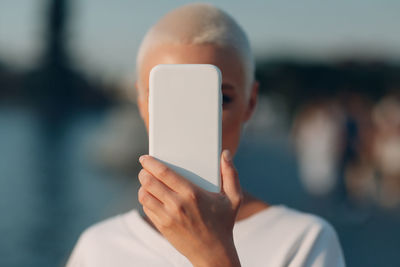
[(104, 35)]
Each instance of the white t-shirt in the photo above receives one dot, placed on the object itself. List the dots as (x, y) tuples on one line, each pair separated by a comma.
[(276, 236)]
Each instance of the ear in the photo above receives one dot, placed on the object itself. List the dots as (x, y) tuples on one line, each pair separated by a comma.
[(251, 104)]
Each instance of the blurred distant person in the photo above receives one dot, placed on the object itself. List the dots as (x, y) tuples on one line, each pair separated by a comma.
[(182, 224), (386, 117), (357, 162), (318, 134)]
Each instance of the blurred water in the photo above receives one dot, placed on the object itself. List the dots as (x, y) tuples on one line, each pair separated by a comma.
[(48, 196), (41, 214)]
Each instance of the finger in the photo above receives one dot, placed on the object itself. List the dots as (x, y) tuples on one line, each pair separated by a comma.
[(230, 178), (158, 189), (165, 174), (152, 216), (149, 201)]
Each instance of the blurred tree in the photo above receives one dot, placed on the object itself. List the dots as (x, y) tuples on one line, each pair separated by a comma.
[(302, 82), (55, 88)]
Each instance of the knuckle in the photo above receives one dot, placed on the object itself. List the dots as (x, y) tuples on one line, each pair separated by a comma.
[(143, 197), (192, 194), (141, 172), (146, 210), (167, 222), (140, 195), (177, 206), (147, 181), (145, 178), (164, 171), (237, 200)]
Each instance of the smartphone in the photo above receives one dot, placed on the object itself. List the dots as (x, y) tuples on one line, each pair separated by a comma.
[(185, 118)]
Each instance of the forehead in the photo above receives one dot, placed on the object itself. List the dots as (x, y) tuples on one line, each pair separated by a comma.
[(225, 58)]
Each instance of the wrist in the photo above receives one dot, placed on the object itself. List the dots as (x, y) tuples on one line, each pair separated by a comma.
[(219, 256)]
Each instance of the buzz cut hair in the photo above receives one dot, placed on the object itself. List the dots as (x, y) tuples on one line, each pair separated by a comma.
[(199, 24)]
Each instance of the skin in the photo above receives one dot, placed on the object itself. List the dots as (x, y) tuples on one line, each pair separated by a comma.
[(190, 218)]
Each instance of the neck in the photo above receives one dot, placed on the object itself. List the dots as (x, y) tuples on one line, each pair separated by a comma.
[(250, 206)]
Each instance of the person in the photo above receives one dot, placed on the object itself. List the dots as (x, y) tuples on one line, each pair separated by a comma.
[(183, 224)]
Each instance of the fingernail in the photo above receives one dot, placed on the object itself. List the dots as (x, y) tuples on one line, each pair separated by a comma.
[(141, 158), (227, 155)]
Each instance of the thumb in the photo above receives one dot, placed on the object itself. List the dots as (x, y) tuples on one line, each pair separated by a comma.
[(230, 179)]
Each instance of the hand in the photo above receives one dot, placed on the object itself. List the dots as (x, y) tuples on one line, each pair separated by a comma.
[(198, 223)]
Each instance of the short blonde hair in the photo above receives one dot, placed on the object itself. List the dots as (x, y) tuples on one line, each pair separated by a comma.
[(199, 23)]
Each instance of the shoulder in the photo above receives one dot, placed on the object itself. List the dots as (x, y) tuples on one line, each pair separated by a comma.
[(99, 238), (285, 217), (106, 229), (294, 238), (304, 221), (290, 222), (316, 242)]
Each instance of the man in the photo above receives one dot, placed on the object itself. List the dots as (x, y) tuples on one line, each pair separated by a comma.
[(184, 225)]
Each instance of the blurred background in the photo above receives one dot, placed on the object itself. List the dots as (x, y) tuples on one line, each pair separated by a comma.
[(325, 137)]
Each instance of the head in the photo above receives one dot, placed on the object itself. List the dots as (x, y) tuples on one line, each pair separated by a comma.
[(203, 34)]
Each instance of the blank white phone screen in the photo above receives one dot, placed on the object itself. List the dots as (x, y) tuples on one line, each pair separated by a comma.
[(185, 117)]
